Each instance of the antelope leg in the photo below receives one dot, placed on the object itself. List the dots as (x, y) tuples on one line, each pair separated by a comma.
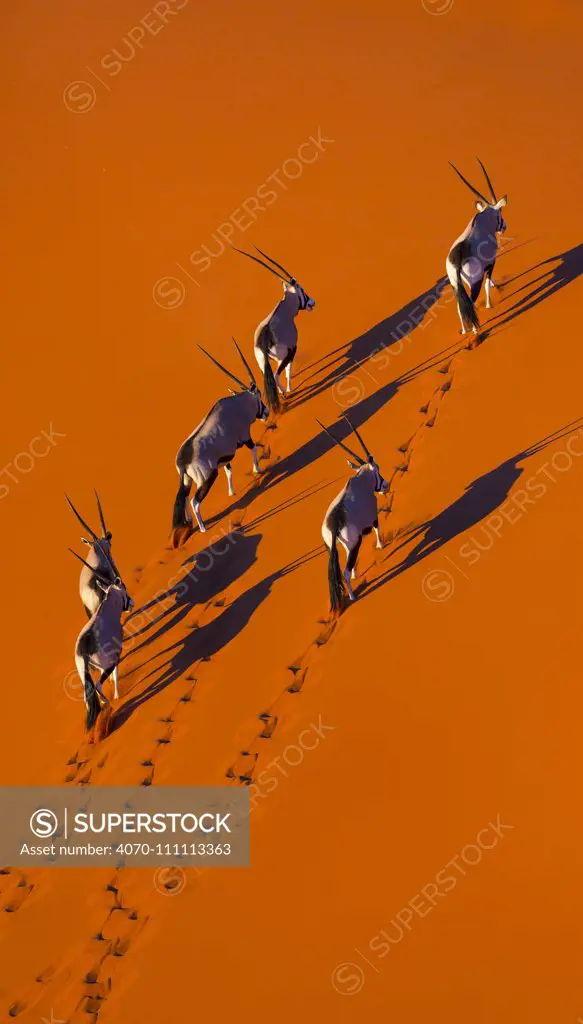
[(229, 472)]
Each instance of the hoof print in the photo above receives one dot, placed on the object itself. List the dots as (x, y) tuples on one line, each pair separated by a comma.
[(325, 635), (298, 682), (424, 409), (269, 728)]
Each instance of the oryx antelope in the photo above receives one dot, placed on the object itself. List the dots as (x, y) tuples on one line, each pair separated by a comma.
[(473, 255), (214, 442), (352, 514), (276, 336), (99, 643), (99, 559)]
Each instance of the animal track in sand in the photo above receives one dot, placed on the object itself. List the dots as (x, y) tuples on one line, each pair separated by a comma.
[(242, 769), (121, 925), (14, 890)]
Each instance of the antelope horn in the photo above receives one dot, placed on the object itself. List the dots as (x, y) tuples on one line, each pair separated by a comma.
[(471, 187), (487, 177), (82, 521), (260, 262), (103, 526), (364, 448), (245, 364), (97, 540), (275, 263), (92, 568), (352, 454), (228, 372), (107, 555)]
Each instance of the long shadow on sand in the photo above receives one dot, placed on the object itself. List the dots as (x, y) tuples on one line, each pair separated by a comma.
[(484, 495), (209, 574), (202, 643), (321, 443), (347, 358), (570, 267)]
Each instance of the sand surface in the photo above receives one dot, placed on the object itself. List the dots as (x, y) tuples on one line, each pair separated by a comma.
[(448, 700)]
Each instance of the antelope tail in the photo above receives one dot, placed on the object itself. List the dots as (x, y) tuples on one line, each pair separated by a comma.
[(467, 308), (91, 699), (179, 513), (336, 583), (271, 393)]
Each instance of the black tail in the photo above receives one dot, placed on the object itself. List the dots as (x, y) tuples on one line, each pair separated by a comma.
[(271, 393), (179, 513), (91, 699), (467, 308), (336, 584)]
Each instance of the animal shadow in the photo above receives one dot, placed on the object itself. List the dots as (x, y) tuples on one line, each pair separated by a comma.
[(483, 496)]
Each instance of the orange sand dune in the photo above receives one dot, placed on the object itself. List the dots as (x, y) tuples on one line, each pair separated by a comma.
[(432, 732)]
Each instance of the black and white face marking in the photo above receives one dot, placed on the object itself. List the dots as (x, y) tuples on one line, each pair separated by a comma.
[(305, 302), (381, 486)]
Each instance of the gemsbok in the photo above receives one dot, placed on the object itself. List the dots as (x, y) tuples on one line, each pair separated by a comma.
[(473, 255), (214, 443), (99, 560), (99, 643), (351, 515), (276, 336)]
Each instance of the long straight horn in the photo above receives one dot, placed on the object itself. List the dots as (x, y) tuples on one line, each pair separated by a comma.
[(92, 568), (364, 448), (245, 364), (106, 554), (340, 444), (275, 263), (227, 372), (260, 262), (103, 526), (471, 187), (82, 521), (487, 177)]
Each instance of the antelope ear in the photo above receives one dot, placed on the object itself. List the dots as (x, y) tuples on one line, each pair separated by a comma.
[(352, 464), (87, 542), (480, 207), (501, 202)]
